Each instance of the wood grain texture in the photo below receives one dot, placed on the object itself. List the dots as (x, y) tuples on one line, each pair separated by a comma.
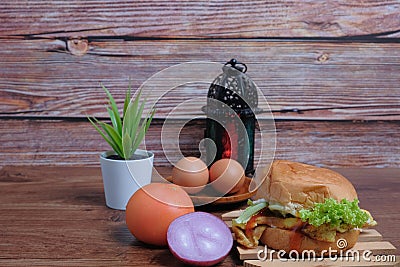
[(56, 216), (200, 19), (300, 80), (76, 143), (376, 247), (312, 60)]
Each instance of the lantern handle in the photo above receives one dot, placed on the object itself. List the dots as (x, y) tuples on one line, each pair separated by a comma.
[(234, 63)]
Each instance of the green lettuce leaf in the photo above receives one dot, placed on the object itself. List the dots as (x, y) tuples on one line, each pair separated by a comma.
[(335, 214)]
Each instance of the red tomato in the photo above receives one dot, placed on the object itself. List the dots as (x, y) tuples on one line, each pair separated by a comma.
[(152, 208)]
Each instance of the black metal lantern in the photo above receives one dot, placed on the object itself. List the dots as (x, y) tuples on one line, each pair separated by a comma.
[(231, 105)]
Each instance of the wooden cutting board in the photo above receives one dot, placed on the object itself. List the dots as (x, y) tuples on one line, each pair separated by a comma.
[(369, 239)]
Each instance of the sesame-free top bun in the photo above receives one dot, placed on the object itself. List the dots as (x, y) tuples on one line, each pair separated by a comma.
[(302, 185)]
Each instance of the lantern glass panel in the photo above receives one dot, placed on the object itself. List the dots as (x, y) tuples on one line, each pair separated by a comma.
[(232, 99)]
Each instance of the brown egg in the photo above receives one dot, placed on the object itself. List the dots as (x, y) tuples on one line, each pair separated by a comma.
[(227, 176), (191, 173)]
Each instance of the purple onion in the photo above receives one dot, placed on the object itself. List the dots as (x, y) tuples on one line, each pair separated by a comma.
[(199, 238)]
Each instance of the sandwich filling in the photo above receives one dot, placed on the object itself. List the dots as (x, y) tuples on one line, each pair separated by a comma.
[(321, 222)]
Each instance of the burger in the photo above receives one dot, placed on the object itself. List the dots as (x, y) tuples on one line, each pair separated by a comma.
[(302, 207)]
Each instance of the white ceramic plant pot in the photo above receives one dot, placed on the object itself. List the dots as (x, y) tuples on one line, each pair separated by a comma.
[(121, 178)]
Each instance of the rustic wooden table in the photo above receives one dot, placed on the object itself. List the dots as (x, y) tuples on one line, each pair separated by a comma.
[(56, 216)]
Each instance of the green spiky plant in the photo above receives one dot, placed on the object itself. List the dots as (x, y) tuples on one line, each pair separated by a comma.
[(126, 132)]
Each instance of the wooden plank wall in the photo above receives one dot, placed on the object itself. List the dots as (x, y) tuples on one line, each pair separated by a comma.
[(330, 71)]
